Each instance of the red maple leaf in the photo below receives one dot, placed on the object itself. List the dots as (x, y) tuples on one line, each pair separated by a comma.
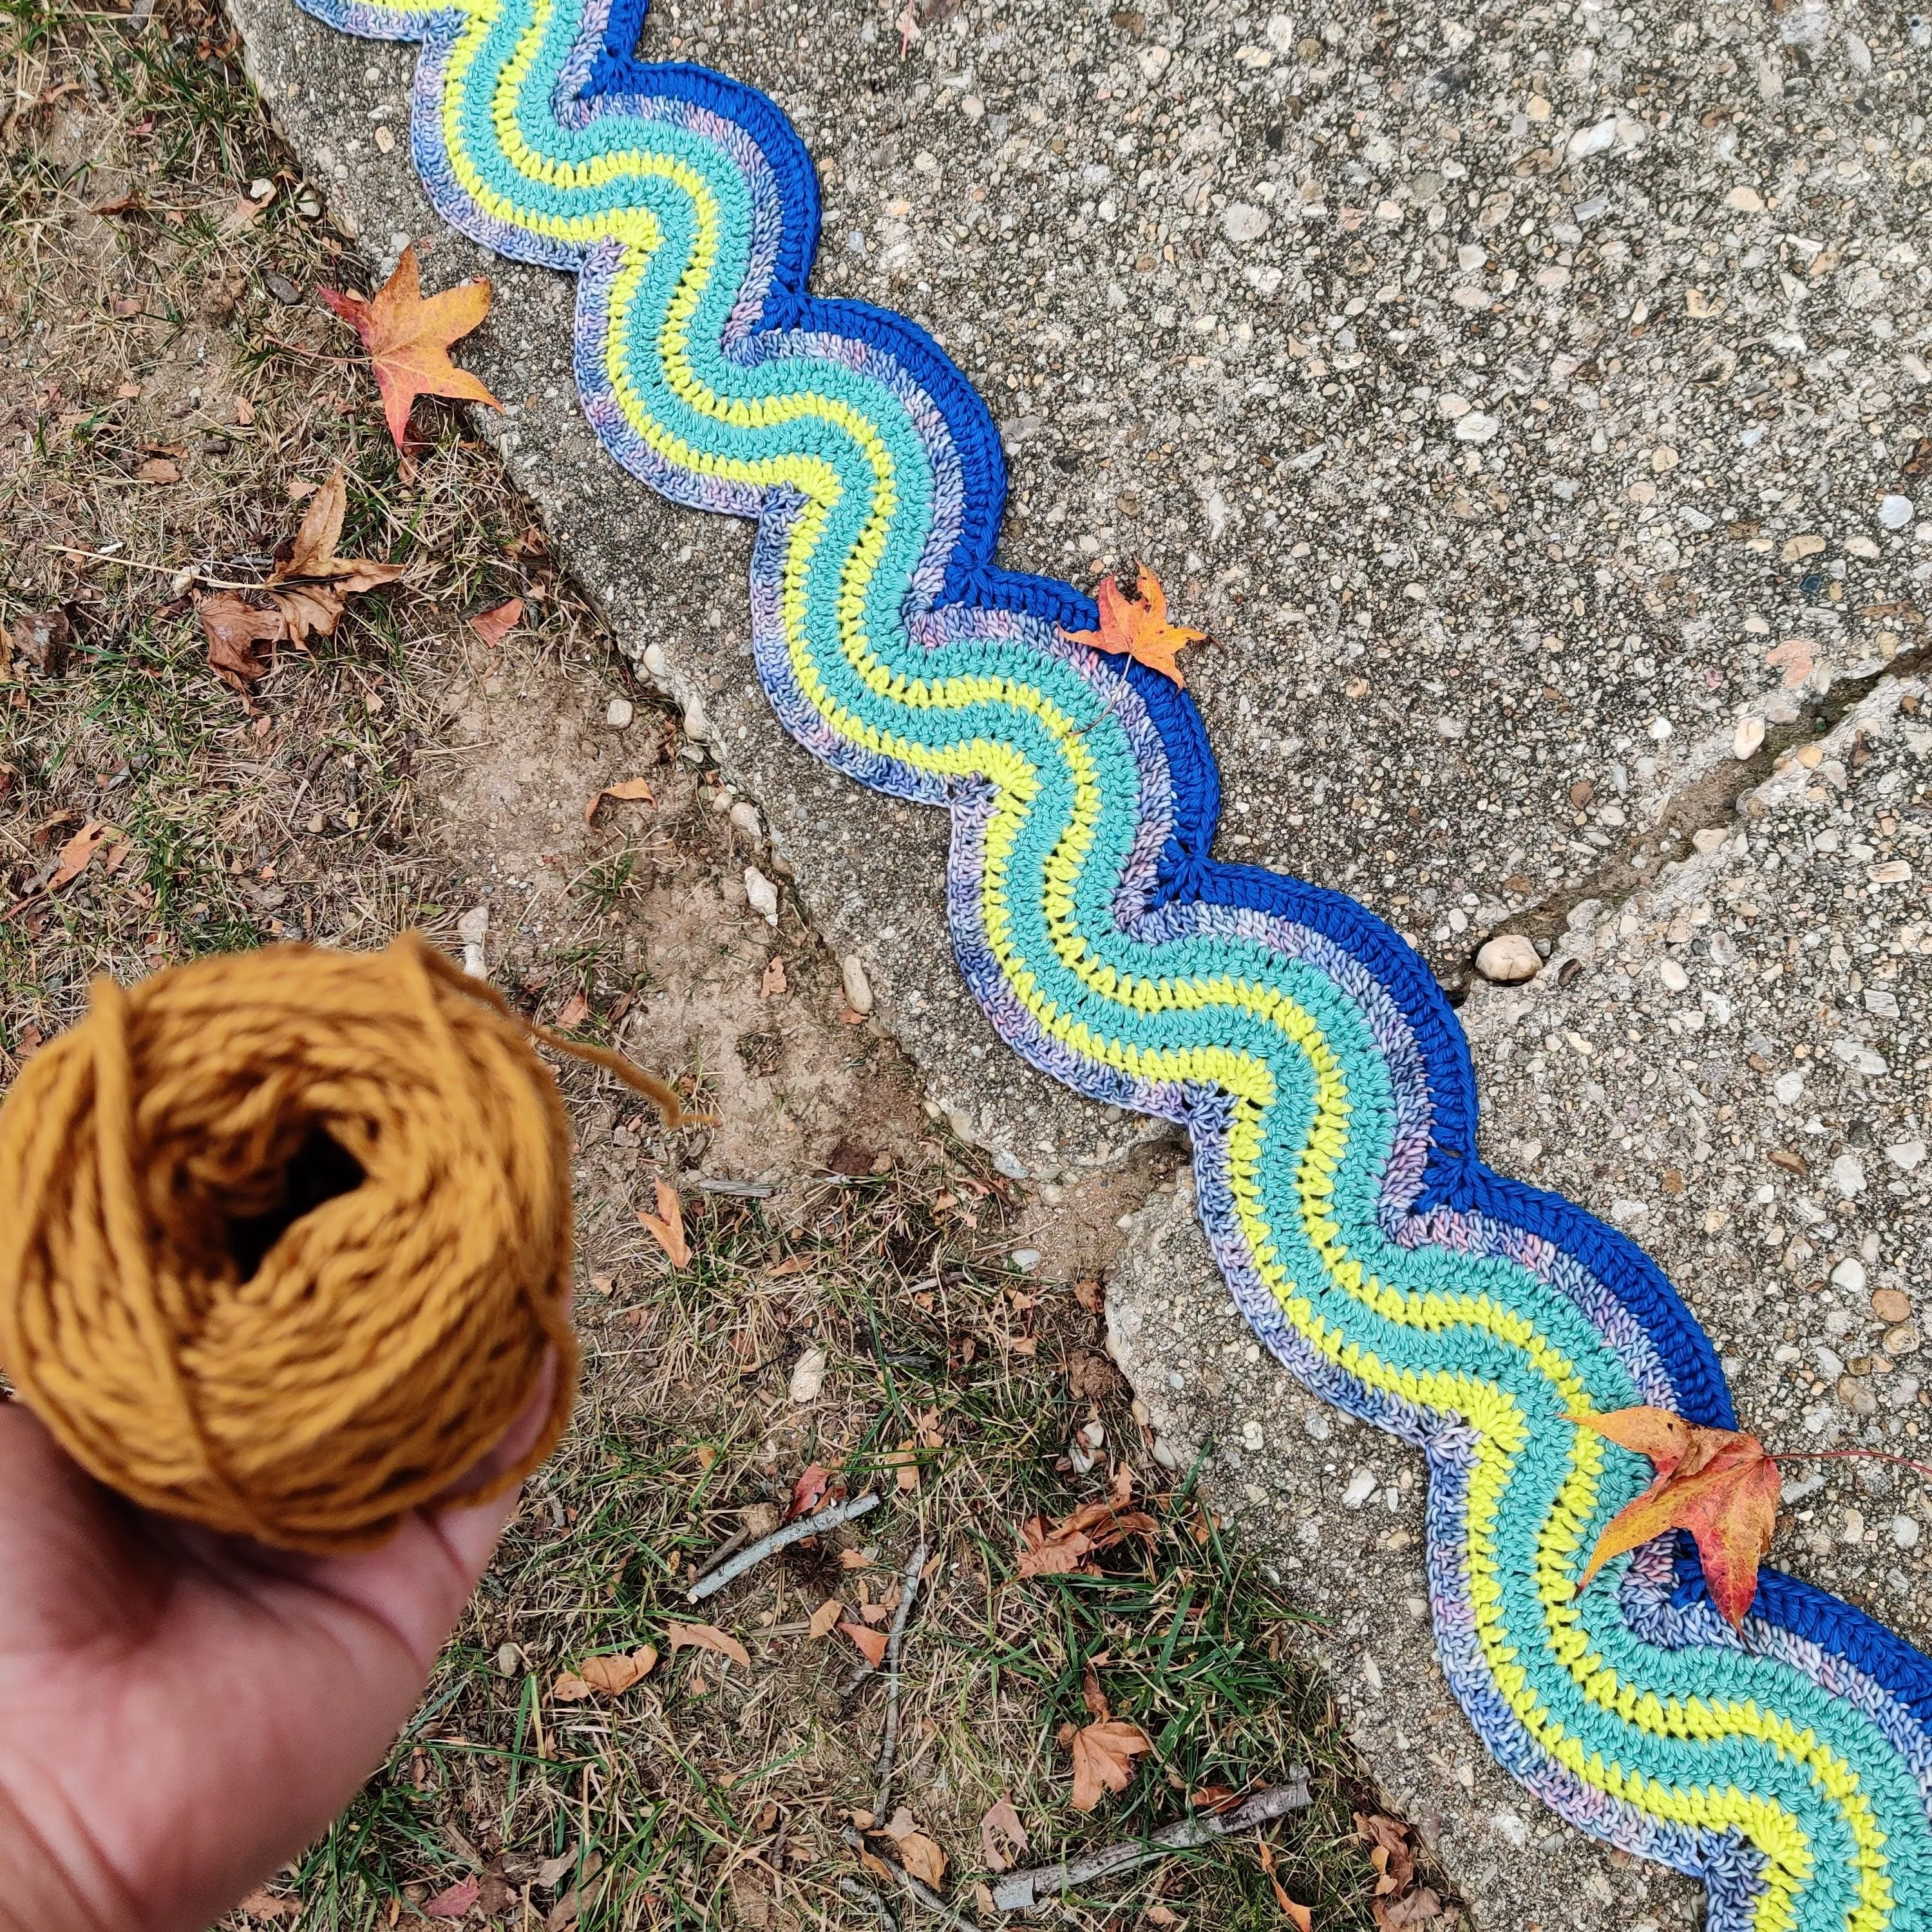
[(1720, 1484), (1137, 626)]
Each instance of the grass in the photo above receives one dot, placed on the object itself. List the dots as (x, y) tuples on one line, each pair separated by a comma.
[(706, 1796), (715, 1797)]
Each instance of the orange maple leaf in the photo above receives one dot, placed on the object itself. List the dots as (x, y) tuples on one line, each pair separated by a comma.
[(408, 339), (1137, 626), (1720, 1484)]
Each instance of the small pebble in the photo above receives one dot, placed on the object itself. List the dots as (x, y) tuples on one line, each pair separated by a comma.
[(509, 1661), (1242, 221), (858, 988), (1850, 1273), (472, 928), (1906, 1155), (1892, 1304), (1672, 975), (762, 894), (1848, 1174), (808, 1375), (1026, 1259), (1747, 738), (1895, 512), (618, 714), (745, 817), (1508, 959), (1905, 1531)]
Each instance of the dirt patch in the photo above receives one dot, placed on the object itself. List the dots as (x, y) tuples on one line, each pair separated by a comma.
[(627, 918)]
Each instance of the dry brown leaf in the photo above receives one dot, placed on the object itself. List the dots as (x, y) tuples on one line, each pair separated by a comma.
[(823, 1618), (772, 982), (1103, 1759), (1415, 1908), (920, 1854), (455, 1903), (311, 585), (159, 470), (573, 1012), (808, 1493), (614, 1674), (263, 1904), (708, 1636), (494, 626), (1090, 1295), (78, 852), (903, 1463), (1297, 1915), (1093, 1527), (871, 1644), (1390, 1854), (551, 1870), (666, 1227), (632, 791), (1002, 1836), (1092, 1696), (569, 1688), (408, 339), (235, 630), (46, 637), (854, 1559)]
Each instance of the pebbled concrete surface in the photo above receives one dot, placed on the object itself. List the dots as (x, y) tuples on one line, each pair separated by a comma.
[(1533, 404), (1743, 1043)]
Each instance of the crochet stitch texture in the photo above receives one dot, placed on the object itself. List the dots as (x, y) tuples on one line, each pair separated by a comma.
[(1324, 1080)]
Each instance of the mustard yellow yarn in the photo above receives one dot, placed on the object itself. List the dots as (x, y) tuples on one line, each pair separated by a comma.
[(307, 1384)]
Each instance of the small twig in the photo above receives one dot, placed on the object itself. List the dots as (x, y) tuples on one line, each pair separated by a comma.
[(852, 1888), (889, 1744), (917, 1890), (779, 1539), (1021, 1891), (725, 1551), (138, 563)]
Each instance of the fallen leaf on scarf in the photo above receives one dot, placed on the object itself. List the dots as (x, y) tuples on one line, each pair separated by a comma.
[(1717, 1484), (1137, 626)]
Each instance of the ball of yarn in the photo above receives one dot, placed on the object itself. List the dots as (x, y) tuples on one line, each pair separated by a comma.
[(285, 1239)]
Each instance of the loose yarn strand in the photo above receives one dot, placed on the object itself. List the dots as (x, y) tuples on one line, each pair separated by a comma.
[(661, 1095), (122, 1223)]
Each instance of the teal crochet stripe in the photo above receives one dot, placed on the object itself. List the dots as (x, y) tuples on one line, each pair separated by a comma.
[(1325, 1083)]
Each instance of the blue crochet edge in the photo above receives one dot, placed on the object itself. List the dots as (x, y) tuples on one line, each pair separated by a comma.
[(1456, 1175)]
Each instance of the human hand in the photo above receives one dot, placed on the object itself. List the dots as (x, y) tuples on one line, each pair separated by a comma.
[(180, 1713)]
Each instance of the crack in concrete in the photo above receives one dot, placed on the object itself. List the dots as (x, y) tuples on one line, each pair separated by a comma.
[(1708, 802)]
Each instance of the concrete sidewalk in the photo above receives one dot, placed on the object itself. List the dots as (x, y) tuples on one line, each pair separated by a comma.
[(1536, 418)]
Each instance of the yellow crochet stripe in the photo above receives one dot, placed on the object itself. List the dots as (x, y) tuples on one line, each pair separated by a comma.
[(1500, 1430)]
